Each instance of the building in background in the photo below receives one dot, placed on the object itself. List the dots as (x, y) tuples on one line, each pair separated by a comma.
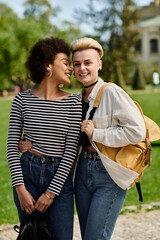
[(148, 44)]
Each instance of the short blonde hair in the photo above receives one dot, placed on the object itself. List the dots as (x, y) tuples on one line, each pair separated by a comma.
[(85, 43)]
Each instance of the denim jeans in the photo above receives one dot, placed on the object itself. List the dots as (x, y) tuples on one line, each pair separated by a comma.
[(38, 172), (98, 199)]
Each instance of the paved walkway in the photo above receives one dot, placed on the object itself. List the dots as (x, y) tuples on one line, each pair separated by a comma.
[(144, 225)]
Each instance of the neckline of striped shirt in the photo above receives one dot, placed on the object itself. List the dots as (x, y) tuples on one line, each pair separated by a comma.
[(48, 100)]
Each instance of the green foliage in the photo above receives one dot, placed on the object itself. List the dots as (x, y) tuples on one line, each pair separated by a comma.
[(138, 79), (16, 38), (119, 78), (18, 35), (40, 10), (7, 44), (69, 32)]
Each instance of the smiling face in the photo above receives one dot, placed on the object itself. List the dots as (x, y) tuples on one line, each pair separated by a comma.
[(61, 69), (86, 64)]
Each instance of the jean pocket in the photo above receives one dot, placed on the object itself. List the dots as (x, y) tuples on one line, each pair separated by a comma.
[(100, 167)]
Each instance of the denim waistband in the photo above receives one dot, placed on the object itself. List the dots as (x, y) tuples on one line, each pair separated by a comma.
[(35, 158), (89, 155)]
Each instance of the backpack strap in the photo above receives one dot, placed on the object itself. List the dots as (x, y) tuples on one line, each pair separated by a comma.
[(97, 100), (148, 152), (138, 186), (99, 95)]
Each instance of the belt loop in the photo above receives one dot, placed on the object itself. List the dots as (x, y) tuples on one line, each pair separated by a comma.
[(52, 159), (43, 159)]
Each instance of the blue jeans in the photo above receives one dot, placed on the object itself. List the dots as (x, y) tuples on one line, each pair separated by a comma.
[(98, 198), (38, 172)]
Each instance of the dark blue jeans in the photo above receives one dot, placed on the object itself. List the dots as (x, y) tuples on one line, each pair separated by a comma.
[(98, 199), (38, 172)]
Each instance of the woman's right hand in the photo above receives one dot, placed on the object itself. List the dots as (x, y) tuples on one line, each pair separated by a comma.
[(27, 202), (24, 146)]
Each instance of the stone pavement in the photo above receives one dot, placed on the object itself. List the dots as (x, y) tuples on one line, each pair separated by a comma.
[(134, 225)]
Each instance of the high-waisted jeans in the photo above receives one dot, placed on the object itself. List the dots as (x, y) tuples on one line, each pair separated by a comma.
[(98, 198), (38, 172)]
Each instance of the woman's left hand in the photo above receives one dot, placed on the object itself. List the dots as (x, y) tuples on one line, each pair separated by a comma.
[(87, 126), (44, 202)]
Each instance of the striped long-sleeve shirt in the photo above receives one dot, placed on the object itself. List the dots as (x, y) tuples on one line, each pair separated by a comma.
[(52, 127)]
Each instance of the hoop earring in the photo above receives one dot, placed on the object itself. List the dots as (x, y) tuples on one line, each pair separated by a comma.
[(49, 73)]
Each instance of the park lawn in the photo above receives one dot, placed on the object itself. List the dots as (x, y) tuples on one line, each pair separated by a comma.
[(150, 103), (150, 181), (8, 213)]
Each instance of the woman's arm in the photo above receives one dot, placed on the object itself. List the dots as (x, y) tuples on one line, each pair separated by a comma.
[(127, 124), (14, 134)]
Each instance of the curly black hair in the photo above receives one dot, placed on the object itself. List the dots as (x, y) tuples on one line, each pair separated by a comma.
[(43, 53)]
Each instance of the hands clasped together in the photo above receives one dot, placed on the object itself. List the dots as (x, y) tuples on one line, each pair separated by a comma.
[(27, 202)]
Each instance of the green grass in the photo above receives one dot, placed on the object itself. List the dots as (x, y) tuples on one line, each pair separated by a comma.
[(150, 181), (150, 104), (8, 213)]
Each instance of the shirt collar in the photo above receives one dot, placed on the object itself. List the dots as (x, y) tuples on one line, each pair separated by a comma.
[(94, 91)]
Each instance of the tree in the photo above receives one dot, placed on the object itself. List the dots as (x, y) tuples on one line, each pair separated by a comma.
[(27, 33), (7, 44), (112, 21), (138, 79), (18, 35), (40, 10), (16, 38), (119, 79), (68, 31)]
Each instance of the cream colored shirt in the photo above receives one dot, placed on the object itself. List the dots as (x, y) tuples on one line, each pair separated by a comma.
[(117, 120)]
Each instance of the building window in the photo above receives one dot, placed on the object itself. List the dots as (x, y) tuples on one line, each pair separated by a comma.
[(153, 45), (138, 46)]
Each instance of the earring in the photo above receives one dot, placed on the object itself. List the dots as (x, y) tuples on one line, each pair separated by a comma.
[(60, 85), (49, 73)]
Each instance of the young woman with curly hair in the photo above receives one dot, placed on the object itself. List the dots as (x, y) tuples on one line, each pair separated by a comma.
[(49, 118)]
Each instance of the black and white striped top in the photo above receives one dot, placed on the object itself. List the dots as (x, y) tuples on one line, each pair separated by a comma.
[(52, 127)]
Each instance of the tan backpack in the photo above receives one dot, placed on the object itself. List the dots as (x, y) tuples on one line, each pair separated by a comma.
[(134, 157)]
